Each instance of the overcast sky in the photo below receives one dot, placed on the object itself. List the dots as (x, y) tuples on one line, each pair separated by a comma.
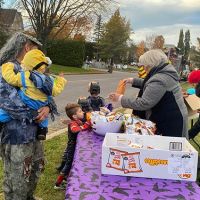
[(164, 17)]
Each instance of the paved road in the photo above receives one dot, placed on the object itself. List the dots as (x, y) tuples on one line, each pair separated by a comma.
[(78, 86)]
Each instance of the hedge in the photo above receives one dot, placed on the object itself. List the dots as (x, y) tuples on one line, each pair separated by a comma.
[(90, 50), (66, 52)]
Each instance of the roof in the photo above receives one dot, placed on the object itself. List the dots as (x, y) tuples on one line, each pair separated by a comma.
[(169, 46), (7, 16)]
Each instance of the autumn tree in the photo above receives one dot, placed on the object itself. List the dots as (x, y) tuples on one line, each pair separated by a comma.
[(82, 28), (140, 49), (45, 15), (181, 42), (115, 37), (159, 42)]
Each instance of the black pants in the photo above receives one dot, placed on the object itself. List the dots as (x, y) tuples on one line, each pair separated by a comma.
[(195, 129), (68, 157)]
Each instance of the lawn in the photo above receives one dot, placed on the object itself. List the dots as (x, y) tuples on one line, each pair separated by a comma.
[(1, 178), (56, 69), (185, 85), (53, 151)]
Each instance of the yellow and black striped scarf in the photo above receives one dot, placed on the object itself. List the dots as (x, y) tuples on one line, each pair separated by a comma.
[(141, 72)]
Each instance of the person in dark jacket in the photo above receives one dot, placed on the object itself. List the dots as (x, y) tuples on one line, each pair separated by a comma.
[(160, 98), (194, 78)]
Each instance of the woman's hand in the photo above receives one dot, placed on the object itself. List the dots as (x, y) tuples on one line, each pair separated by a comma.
[(185, 94), (115, 97), (128, 80), (42, 114)]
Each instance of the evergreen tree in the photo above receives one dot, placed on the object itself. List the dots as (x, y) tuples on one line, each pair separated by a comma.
[(195, 55), (98, 32), (115, 37), (181, 42), (132, 56), (187, 44)]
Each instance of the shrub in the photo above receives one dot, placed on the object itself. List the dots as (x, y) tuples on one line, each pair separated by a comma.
[(66, 52)]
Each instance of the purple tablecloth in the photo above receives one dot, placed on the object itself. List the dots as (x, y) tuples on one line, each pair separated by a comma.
[(86, 182)]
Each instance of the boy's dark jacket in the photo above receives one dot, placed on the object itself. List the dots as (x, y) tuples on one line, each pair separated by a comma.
[(96, 102)]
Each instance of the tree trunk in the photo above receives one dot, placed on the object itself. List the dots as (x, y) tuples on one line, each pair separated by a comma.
[(110, 67)]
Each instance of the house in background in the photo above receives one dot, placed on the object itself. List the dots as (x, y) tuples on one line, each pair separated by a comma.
[(11, 21)]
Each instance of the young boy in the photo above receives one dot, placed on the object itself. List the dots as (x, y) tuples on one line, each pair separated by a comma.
[(36, 88), (95, 100), (76, 125)]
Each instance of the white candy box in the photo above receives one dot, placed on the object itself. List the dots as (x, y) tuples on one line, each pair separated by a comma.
[(103, 124)]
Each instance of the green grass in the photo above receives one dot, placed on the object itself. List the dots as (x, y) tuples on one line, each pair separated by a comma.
[(1, 177), (53, 151), (56, 69), (186, 85)]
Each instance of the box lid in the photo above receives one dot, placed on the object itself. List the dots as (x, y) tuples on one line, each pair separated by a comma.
[(193, 102)]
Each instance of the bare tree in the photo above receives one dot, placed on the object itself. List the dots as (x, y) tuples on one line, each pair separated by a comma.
[(149, 42), (45, 15), (1, 3), (159, 42)]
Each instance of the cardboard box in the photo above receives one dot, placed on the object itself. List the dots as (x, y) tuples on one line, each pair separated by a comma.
[(149, 156), (193, 104)]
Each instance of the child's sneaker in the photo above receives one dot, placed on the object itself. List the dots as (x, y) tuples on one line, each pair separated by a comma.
[(62, 186)]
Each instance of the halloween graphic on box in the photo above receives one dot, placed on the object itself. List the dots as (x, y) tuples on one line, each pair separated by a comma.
[(124, 161)]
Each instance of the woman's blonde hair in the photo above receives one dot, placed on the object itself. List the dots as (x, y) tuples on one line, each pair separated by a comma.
[(153, 58)]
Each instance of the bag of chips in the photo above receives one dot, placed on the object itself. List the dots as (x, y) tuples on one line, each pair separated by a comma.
[(115, 159), (132, 162)]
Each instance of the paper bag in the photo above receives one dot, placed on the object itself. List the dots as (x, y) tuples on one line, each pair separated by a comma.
[(121, 87), (193, 104)]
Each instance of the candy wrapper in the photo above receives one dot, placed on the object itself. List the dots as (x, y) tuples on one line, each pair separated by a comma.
[(136, 144), (139, 126), (104, 121)]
